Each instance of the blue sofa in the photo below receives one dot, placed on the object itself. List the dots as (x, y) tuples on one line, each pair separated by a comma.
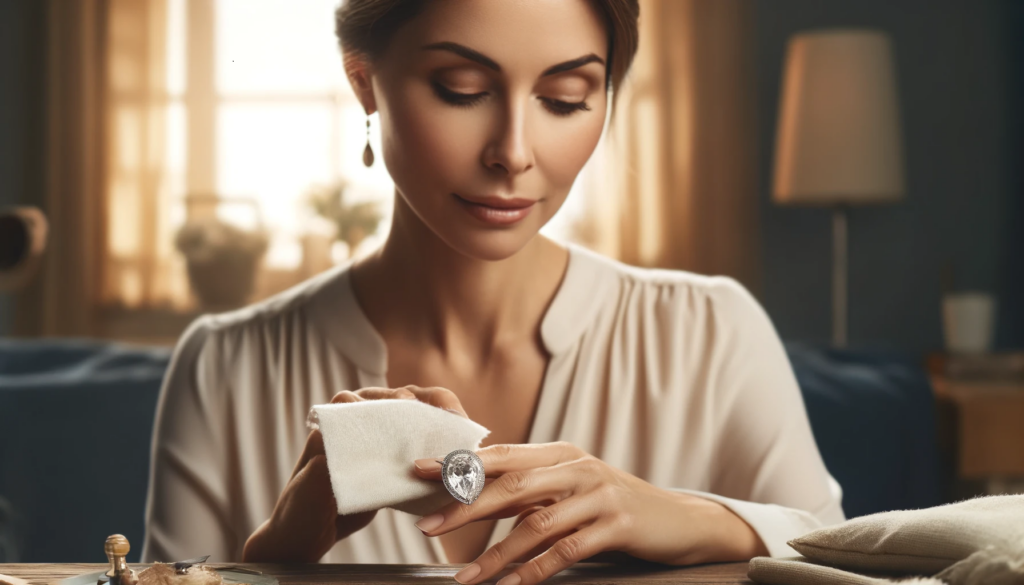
[(76, 419), (75, 425)]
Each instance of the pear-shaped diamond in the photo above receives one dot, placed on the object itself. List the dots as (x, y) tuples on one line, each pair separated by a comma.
[(463, 475)]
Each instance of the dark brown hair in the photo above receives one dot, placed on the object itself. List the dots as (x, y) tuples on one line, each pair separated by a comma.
[(366, 27)]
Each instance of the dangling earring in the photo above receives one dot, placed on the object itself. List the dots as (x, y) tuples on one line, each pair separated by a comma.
[(368, 152)]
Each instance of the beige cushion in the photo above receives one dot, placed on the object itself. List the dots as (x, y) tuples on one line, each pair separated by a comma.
[(799, 571), (987, 567), (984, 567), (921, 542)]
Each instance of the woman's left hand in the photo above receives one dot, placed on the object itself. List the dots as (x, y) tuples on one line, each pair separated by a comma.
[(581, 507)]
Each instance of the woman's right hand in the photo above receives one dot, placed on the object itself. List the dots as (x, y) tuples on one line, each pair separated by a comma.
[(305, 523)]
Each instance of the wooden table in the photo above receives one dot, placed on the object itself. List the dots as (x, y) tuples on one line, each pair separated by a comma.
[(726, 573), (981, 424)]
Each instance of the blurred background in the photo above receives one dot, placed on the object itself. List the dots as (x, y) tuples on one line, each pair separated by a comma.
[(858, 165)]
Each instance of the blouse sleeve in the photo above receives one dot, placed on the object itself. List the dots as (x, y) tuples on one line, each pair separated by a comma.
[(187, 510), (767, 468)]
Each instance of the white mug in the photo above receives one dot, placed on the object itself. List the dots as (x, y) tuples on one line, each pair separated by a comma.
[(968, 319)]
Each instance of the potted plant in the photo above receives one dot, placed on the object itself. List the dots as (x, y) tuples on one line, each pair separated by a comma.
[(353, 221), (222, 260)]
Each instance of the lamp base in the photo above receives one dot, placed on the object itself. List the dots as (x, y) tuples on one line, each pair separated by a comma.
[(839, 266)]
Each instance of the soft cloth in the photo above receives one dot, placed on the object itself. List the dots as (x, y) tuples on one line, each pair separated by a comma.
[(923, 542), (371, 447), (975, 542)]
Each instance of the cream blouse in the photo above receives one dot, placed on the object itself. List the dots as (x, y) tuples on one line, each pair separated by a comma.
[(677, 378)]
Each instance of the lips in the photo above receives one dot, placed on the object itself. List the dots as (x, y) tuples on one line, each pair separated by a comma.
[(494, 210)]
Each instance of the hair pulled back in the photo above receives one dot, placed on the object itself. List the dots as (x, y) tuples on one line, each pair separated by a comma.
[(366, 27)]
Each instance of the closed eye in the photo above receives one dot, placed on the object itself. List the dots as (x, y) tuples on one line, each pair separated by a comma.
[(562, 108), (466, 100), (455, 98)]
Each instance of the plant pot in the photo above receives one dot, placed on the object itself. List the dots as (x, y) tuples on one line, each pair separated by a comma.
[(224, 281)]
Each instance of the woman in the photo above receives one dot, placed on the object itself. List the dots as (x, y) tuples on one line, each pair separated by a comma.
[(647, 412)]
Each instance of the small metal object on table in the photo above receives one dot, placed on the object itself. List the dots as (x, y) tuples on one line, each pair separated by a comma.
[(315, 574), (229, 574), (118, 573)]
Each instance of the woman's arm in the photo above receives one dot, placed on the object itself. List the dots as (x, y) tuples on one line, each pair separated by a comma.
[(767, 468), (187, 510)]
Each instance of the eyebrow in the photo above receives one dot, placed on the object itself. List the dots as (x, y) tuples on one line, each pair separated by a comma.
[(486, 61)]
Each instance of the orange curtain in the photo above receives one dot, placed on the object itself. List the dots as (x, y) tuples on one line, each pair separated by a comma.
[(62, 300), (675, 184)]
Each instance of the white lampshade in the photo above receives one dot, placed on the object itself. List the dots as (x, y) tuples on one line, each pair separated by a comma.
[(838, 140)]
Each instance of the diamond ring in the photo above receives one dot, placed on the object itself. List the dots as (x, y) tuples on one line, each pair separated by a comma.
[(463, 474)]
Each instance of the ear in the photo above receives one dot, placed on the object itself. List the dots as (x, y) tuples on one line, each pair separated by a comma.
[(359, 73)]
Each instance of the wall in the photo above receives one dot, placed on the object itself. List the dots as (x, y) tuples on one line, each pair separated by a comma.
[(954, 68), (1012, 258), (21, 33)]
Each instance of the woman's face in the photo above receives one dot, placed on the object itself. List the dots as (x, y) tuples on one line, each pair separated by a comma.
[(488, 112)]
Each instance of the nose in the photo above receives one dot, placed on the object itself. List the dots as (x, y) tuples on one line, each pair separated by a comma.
[(510, 151)]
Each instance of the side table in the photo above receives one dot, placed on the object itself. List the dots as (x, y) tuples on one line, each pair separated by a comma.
[(982, 425)]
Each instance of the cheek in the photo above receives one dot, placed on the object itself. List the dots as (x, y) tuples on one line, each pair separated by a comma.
[(429, 144), (563, 146)]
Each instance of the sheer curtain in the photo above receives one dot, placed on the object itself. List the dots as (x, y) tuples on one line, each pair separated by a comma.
[(675, 183), (145, 160)]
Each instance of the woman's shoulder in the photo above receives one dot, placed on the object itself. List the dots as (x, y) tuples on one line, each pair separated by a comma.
[(218, 337), (660, 289)]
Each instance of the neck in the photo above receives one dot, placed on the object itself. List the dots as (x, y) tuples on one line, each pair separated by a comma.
[(418, 289)]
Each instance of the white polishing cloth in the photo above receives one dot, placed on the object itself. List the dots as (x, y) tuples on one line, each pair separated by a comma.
[(371, 446)]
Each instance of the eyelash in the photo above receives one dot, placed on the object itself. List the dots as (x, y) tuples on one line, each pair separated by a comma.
[(468, 100)]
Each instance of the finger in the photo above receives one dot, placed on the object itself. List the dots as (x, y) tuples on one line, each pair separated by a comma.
[(545, 526), (568, 551), (386, 394), (524, 514), (511, 493), (346, 396), (439, 397), (505, 458), (539, 548), (314, 446)]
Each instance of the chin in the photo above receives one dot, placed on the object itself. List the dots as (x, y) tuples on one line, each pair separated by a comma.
[(486, 245), (493, 234)]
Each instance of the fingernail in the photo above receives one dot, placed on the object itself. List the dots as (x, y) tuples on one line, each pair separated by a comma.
[(512, 579), (427, 464), (468, 574), (428, 523), (452, 410)]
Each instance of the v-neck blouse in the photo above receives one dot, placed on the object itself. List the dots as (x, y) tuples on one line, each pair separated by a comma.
[(677, 378)]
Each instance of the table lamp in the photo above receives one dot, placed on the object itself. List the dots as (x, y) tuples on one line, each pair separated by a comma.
[(838, 142)]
